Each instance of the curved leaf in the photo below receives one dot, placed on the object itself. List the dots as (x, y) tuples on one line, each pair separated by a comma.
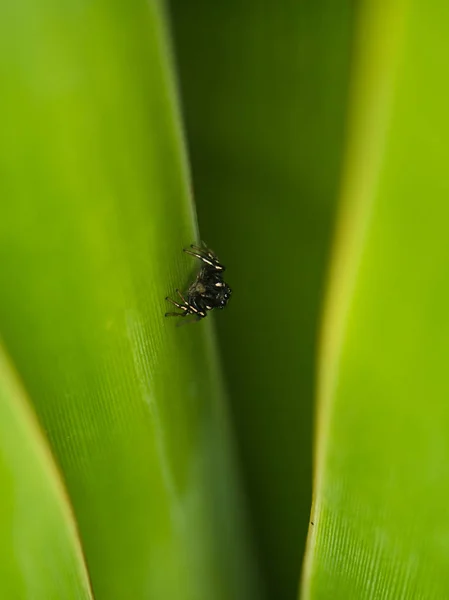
[(380, 524), (95, 216), (40, 552)]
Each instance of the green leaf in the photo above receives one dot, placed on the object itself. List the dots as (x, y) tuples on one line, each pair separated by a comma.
[(264, 90), (380, 524), (96, 210), (40, 552)]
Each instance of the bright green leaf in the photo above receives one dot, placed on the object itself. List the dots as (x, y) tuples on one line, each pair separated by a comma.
[(380, 524), (40, 552), (95, 213)]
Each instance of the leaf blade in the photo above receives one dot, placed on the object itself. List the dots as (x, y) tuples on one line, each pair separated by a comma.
[(40, 549), (382, 454), (91, 239)]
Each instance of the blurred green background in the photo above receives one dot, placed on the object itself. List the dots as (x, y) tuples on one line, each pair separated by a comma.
[(264, 90)]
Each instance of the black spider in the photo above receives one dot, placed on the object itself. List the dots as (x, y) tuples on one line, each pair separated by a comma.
[(208, 291)]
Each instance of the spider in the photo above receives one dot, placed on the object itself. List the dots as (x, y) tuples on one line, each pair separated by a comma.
[(208, 291)]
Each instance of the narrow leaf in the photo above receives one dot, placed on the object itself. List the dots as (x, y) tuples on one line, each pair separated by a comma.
[(40, 552), (380, 524)]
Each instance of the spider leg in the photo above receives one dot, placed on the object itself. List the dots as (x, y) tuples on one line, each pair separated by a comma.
[(182, 297), (187, 307), (180, 306), (176, 304), (210, 260), (195, 319), (204, 249), (210, 253), (198, 255)]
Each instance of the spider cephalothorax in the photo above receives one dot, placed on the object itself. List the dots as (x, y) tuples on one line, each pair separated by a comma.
[(208, 291)]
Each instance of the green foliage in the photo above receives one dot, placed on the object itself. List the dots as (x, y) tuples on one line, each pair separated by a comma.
[(119, 475), (95, 213), (40, 553), (380, 520)]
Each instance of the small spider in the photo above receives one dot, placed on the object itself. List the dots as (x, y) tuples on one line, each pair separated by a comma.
[(208, 291)]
